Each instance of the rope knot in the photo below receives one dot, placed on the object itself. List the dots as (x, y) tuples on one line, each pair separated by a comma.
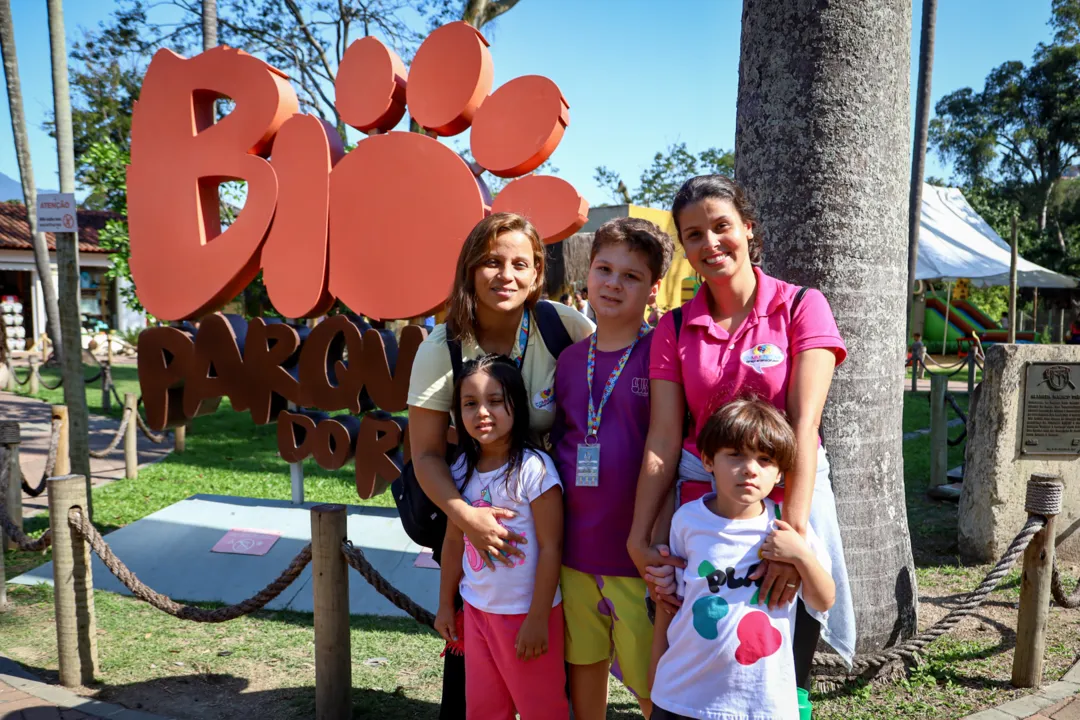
[(1044, 495)]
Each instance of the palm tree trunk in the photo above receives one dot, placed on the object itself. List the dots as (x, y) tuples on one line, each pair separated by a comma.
[(26, 175), (918, 159), (822, 143), (209, 24), (67, 258)]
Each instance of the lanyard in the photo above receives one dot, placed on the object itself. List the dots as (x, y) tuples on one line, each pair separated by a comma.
[(590, 370), (523, 339)]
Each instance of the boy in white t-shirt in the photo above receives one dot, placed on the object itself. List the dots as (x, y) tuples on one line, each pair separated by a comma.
[(725, 654)]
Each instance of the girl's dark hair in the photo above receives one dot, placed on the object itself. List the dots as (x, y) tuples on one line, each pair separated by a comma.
[(720, 187), (516, 401), (461, 310), (749, 424)]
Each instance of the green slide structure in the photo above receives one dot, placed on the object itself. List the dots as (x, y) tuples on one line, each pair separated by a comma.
[(964, 319)]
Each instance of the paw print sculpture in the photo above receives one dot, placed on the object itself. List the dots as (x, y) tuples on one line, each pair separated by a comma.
[(380, 227)]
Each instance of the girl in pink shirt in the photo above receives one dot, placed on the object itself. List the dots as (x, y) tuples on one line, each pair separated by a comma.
[(743, 333)]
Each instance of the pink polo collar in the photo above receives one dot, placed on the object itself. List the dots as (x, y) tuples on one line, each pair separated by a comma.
[(767, 300)]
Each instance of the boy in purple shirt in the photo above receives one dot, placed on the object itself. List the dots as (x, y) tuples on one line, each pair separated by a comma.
[(601, 421)]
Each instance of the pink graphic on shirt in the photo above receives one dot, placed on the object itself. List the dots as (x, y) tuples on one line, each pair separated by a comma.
[(476, 560), (757, 638)]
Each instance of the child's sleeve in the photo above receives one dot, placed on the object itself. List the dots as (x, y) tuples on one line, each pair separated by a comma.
[(821, 554), (677, 544), (538, 475)]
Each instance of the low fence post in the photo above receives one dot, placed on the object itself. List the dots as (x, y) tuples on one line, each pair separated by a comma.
[(939, 431), (11, 385), (10, 439), (35, 379), (63, 446), (330, 585), (131, 437), (106, 383), (179, 438), (1043, 498), (76, 627)]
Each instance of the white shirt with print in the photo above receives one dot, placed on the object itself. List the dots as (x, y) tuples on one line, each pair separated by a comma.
[(506, 590), (728, 658)]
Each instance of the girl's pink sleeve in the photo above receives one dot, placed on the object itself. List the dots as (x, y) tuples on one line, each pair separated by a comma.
[(813, 326), (664, 360)]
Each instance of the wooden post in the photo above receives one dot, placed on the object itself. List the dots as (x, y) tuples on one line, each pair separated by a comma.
[(1013, 319), (63, 459), (939, 431), (1034, 599), (35, 379), (76, 627), (106, 381), (10, 439), (330, 585), (180, 438), (131, 437), (296, 475), (11, 385)]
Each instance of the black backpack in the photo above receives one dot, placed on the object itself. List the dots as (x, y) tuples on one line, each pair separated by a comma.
[(423, 521)]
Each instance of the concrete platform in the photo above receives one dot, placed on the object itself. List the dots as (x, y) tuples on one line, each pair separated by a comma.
[(170, 551)]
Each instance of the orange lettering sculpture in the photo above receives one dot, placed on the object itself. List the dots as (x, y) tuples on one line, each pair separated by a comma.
[(379, 228)]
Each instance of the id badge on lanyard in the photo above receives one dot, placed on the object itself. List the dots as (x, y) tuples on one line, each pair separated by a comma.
[(588, 453)]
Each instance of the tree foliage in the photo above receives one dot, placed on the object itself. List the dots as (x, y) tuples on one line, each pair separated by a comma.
[(669, 169)]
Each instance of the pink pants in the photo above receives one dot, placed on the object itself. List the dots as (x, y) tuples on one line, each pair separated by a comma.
[(496, 682)]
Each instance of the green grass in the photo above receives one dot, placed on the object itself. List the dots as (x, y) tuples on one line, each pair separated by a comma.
[(125, 379), (262, 665), (917, 409)]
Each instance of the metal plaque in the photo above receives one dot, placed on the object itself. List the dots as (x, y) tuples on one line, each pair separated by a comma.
[(1051, 410)]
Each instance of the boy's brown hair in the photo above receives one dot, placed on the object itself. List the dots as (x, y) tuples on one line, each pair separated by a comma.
[(749, 424), (641, 236)]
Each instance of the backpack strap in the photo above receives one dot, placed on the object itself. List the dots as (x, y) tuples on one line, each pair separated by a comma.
[(552, 330), (456, 361), (677, 315), (797, 300)]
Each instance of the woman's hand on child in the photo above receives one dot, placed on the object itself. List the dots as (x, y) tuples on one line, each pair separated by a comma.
[(783, 551), (444, 623), (490, 538), (532, 638), (661, 581)]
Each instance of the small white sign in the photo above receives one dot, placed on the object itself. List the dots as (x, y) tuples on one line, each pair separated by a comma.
[(56, 213)]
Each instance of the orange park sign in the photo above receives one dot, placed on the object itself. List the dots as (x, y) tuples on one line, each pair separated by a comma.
[(379, 228)]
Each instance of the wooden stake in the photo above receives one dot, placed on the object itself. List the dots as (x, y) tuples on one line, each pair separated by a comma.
[(63, 458), (1034, 604), (330, 585), (106, 381), (131, 437), (939, 431), (180, 438), (76, 627), (9, 455), (35, 379)]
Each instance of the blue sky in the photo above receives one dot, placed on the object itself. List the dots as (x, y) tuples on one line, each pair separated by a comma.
[(636, 79)]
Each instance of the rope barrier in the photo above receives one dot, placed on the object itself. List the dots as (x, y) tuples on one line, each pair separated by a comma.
[(106, 451), (50, 463), (951, 399), (150, 434), (1065, 600), (15, 375), (909, 650), (13, 531), (82, 525), (359, 562)]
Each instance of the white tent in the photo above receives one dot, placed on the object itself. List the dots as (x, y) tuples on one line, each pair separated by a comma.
[(955, 242)]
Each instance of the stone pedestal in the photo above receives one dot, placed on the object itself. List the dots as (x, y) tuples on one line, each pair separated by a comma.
[(996, 473)]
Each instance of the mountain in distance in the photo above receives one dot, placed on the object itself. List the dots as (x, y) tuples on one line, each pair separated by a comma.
[(12, 189)]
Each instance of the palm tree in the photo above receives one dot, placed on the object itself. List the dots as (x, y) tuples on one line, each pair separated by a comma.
[(67, 258), (821, 141), (918, 159), (26, 174), (209, 24)]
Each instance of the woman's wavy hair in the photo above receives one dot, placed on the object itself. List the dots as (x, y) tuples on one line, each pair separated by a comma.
[(720, 187), (515, 399), (461, 316)]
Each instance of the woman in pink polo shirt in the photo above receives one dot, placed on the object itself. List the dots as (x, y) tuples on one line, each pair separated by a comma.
[(744, 332)]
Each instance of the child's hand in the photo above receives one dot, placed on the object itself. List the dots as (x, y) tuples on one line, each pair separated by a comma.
[(532, 638), (444, 622), (785, 544), (661, 581)]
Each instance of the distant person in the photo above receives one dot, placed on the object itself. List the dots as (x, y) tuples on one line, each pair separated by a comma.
[(1074, 331), (654, 314), (1004, 322), (586, 309), (918, 356), (565, 299)]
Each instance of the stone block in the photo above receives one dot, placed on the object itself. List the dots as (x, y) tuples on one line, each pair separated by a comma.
[(996, 473)]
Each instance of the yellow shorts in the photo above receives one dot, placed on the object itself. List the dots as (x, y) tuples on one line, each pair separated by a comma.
[(606, 619)]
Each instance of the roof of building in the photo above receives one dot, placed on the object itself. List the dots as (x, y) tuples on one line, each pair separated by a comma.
[(15, 230)]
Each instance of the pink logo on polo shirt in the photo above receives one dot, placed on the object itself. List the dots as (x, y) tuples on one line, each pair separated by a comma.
[(759, 357)]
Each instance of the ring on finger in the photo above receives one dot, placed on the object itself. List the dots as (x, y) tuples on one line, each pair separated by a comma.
[(792, 585)]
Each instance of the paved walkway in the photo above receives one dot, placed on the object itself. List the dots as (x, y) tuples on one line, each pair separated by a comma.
[(24, 697), (1056, 701), (35, 417)]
